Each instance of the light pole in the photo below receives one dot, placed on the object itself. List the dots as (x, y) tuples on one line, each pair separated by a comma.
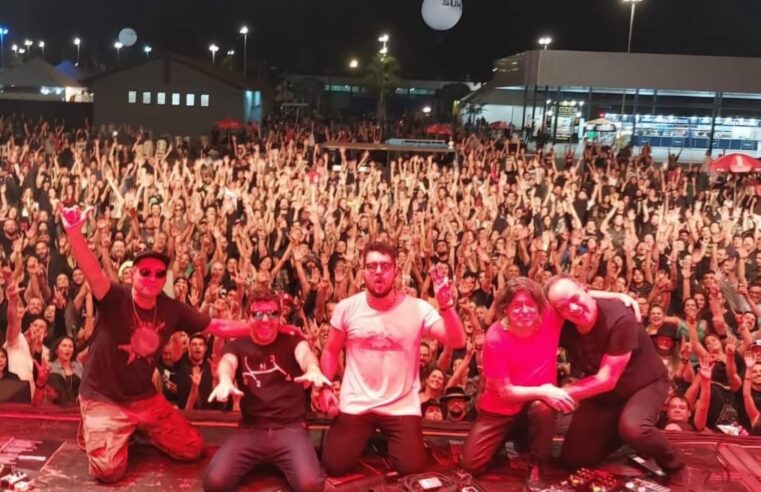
[(383, 52), (213, 48), (41, 45), (354, 63), (633, 4), (545, 41), (244, 31), (147, 50), (28, 48), (118, 45), (3, 32), (77, 42)]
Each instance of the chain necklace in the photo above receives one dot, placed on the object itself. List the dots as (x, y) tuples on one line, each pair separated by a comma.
[(138, 320)]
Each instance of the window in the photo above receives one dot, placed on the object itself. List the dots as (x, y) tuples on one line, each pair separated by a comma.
[(132, 97), (161, 98), (175, 99), (205, 100), (146, 97), (190, 99)]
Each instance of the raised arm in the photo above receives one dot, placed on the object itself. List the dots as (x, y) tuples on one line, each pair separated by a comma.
[(73, 219)]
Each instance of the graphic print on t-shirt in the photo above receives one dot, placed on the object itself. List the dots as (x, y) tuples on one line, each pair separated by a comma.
[(144, 341), (270, 366), (378, 340)]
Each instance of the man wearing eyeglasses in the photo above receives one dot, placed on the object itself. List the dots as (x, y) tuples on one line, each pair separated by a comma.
[(117, 396), (270, 369), (380, 330)]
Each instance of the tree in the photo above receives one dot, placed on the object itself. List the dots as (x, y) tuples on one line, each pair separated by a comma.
[(382, 77)]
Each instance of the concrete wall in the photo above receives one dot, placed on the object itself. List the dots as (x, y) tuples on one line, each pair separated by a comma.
[(112, 107)]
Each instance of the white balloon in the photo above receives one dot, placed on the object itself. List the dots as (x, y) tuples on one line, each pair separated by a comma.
[(127, 36), (441, 15)]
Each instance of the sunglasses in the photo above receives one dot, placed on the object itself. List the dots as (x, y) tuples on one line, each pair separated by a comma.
[(260, 315), (145, 272), (385, 267)]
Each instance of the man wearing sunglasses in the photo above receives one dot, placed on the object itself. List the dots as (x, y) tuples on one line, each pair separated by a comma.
[(270, 369), (381, 329), (135, 322)]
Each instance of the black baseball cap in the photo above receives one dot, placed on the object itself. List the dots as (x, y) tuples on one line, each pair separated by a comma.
[(150, 253)]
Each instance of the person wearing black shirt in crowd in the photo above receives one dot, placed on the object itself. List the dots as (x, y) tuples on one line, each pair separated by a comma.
[(117, 394), (269, 368), (194, 377), (625, 384)]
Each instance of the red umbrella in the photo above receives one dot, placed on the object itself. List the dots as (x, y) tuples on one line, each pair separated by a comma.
[(499, 125), (736, 163), (439, 129), (229, 124)]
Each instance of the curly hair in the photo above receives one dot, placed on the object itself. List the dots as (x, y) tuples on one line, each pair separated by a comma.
[(521, 284)]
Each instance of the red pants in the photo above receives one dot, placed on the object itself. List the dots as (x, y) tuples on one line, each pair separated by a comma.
[(108, 426)]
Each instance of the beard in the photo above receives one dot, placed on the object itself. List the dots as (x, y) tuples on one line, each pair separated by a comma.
[(382, 292)]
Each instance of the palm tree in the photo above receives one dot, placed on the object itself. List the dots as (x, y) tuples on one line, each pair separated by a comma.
[(382, 77)]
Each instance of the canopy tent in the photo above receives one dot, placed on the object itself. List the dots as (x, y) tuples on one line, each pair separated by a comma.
[(36, 73), (71, 70)]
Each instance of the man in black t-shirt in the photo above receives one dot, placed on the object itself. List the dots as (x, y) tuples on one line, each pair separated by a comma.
[(117, 395), (270, 369), (624, 385)]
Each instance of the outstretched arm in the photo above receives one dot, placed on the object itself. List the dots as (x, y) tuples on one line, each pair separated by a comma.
[(73, 219)]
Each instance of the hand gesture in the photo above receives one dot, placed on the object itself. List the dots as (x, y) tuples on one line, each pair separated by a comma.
[(441, 285), (223, 390), (195, 376), (313, 376), (706, 368), (328, 402), (685, 350), (750, 360), (730, 349), (558, 398), (43, 372), (73, 218)]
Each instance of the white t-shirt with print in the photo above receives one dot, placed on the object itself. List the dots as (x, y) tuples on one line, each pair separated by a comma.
[(382, 354)]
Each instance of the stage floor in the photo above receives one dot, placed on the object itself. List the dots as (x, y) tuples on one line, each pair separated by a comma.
[(714, 462)]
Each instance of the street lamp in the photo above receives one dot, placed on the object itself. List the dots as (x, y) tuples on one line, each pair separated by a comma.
[(230, 52), (28, 45), (545, 41), (354, 63), (628, 50), (118, 45), (384, 49), (77, 42), (41, 45), (213, 48), (244, 31), (3, 32), (631, 22), (147, 50)]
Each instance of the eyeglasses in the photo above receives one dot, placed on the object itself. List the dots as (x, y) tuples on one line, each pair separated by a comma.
[(260, 315), (385, 267), (144, 272)]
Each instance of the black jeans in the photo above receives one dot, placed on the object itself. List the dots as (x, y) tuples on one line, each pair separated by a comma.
[(536, 421), (349, 434), (597, 429), (289, 448)]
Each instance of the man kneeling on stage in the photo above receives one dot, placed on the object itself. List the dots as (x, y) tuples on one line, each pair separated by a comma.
[(273, 430), (625, 386)]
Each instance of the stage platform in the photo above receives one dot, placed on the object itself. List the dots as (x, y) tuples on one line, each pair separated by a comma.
[(715, 462)]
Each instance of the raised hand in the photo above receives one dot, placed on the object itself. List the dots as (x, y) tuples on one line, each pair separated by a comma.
[(73, 218), (706, 368), (442, 286), (195, 376)]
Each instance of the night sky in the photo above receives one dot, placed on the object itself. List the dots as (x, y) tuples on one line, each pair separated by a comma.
[(320, 36)]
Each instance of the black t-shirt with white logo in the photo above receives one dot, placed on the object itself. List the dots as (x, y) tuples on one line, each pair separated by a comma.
[(127, 343), (615, 332), (265, 375)]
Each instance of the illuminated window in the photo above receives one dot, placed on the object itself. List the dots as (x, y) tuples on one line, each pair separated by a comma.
[(190, 99), (132, 97), (146, 97), (175, 99), (161, 98), (205, 100)]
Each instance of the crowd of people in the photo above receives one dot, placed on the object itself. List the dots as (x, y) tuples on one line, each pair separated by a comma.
[(274, 208)]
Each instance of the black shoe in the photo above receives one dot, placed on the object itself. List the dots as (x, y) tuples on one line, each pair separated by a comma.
[(535, 481)]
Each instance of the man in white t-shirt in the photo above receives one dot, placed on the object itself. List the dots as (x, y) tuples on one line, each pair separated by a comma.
[(381, 330)]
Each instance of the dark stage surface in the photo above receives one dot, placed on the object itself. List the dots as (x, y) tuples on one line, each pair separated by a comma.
[(715, 462)]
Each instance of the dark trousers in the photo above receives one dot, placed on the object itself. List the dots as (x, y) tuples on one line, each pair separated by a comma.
[(597, 429), (349, 434), (288, 448), (536, 422)]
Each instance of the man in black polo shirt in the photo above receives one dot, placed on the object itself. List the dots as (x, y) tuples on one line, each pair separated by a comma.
[(624, 385), (269, 368)]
